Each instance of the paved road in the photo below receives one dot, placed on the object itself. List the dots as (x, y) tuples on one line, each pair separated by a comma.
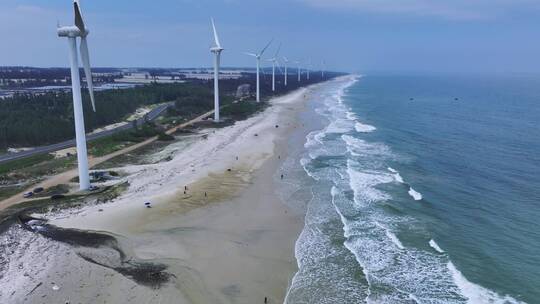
[(151, 116)]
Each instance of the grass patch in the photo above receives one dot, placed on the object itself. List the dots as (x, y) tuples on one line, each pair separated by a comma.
[(7, 192), (165, 137), (24, 163), (243, 109), (107, 145), (58, 189)]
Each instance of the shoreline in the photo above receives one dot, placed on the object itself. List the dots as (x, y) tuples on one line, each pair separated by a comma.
[(229, 239)]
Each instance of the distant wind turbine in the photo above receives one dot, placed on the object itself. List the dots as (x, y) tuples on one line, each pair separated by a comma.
[(308, 66), (286, 63), (216, 49), (72, 32), (299, 71), (274, 61), (258, 58), (323, 67)]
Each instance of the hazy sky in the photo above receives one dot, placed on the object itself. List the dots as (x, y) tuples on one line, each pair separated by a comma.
[(488, 36)]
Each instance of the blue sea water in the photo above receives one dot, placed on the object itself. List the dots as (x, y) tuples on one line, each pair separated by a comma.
[(423, 189)]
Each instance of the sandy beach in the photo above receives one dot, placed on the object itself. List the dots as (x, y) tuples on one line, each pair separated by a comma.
[(217, 225)]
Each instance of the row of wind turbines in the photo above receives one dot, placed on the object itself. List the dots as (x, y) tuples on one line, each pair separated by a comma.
[(217, 49), (79, 30)]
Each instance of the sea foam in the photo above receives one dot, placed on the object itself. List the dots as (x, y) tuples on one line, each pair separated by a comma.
[(363, 185), (392, 236), (435, 246), (364, 128), (417, 196), (397, 177)]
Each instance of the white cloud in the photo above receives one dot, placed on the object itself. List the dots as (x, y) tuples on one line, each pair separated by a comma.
[(449, 9)]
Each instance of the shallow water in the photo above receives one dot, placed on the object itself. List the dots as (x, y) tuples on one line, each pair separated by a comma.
[(424, 191)]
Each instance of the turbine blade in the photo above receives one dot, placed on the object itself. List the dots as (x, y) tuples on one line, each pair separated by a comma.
[(277, 52), (79, 22), (250, 54), (263, 50), (216, 38), (85, 57), (279, 67)]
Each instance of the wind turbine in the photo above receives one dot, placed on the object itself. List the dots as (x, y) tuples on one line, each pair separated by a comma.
[(308, 66), (274, 63), (286, 63), (323, 64), (299, 71), (258, 58), (72, 32), (216, 49)]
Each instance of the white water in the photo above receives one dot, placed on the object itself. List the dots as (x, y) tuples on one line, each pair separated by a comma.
[(435, 246), (395, 240), (363, 128), (417, 196)]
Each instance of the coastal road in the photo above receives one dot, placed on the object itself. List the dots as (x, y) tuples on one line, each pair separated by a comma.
[(150, 116)]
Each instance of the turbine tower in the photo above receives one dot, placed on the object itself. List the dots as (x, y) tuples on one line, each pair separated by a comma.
[(216, 49), (323, 64), (274, 63), (72, 32), (286, 63), (299, 71), (258, 58), (308, 66)]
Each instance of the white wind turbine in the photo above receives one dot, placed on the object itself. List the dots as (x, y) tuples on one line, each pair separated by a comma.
[(72, 32), (216, 49), (258, 57), (323, 67), (286, 63), (308, 66), (274, 64), (299, 71)]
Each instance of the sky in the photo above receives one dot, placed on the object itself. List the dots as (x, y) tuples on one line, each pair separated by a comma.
[(363, 36)]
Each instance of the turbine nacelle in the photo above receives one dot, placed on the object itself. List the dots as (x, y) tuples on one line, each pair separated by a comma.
[(216, 49), (72, 32)]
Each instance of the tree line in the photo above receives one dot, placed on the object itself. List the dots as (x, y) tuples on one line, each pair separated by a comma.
[(28, 120), (33, 120)]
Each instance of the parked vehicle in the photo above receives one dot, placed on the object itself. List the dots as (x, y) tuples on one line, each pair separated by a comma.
[(38, 190)]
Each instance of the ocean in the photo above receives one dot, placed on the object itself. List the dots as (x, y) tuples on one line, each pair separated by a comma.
[(419, 189)]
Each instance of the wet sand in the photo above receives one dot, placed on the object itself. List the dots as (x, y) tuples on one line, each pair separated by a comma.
[(228, 238)]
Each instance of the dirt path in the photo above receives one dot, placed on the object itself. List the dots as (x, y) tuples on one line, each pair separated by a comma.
[(66, 177)]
